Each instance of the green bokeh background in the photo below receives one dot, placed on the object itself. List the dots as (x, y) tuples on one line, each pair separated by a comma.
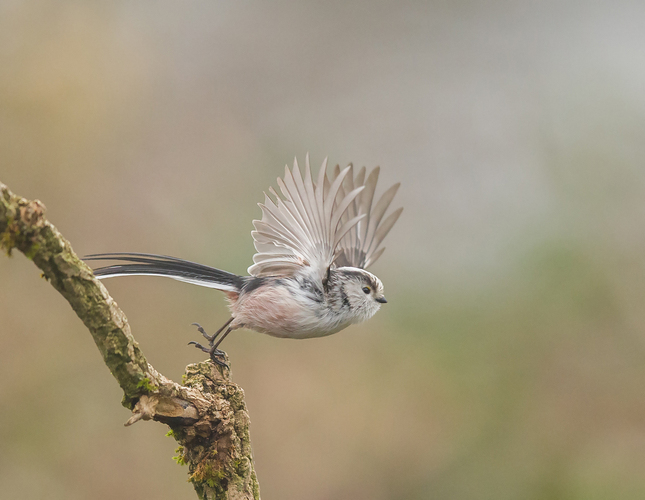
[(510, 360)]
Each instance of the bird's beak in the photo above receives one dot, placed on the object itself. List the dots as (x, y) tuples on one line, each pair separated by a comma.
[(381, 300)]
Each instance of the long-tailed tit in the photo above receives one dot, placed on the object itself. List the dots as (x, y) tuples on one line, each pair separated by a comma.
[(309, 275)]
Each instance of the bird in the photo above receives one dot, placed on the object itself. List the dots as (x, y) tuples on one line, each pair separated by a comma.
[(309, 276)]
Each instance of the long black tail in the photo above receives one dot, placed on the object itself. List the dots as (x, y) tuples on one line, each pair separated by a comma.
[(160, 265)]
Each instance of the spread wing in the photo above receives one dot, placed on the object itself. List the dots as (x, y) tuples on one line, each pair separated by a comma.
[(315, 224), (360, 247)]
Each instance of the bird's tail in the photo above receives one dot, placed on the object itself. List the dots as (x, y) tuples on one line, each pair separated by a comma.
[(145, 264)]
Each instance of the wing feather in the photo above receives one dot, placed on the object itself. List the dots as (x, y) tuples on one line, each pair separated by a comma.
[(319, 224), (360, 246), (384, 228), (378, 213), (310, 199), (307, 200), (290, 191), (374, 257), (348, 225), (348, 187), (343, 206)]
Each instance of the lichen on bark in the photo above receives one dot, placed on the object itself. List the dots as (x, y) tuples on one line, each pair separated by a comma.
[(207, 413)]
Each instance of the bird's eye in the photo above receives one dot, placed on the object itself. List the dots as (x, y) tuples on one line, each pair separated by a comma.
[(366, 289)]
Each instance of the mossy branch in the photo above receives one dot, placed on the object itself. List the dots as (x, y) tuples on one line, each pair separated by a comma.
[(207, 414)]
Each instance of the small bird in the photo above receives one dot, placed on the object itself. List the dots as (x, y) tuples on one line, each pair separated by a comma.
[(309, 276)]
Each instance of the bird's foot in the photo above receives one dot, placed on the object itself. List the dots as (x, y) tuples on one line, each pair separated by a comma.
[(213, 352), (200, 329)]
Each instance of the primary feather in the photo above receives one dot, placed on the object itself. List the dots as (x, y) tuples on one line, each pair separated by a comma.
[(329, 223)]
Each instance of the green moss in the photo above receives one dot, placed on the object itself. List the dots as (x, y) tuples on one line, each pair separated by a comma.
[(128, 401), (8, 236), (179, 458), (208, 472), (236, 397), (32, 251), (146, 384), (215, 481)]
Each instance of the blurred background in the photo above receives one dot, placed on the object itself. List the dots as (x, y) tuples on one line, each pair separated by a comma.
[(510, 360)]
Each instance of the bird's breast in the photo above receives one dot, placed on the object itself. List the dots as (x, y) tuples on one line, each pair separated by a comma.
[(283, 311)]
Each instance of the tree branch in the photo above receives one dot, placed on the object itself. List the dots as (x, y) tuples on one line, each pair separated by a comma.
[(207, 414)]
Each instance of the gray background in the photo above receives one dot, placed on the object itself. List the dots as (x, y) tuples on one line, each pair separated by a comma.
[(509, 361)]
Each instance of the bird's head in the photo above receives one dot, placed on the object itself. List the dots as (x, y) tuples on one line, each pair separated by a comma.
[(361, 291)]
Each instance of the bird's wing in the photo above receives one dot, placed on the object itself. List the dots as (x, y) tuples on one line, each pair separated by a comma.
[(360, 246), (303, 227), (306, 227)]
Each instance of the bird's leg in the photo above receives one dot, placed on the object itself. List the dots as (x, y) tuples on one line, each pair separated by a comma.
[(211, 338), (222, 338), (213, 351)]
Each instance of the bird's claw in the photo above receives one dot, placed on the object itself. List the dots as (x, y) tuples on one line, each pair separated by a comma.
[(213, 353), (201, 330)]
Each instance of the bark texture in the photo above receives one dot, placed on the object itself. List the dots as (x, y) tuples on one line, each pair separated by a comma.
[(207, 413)]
